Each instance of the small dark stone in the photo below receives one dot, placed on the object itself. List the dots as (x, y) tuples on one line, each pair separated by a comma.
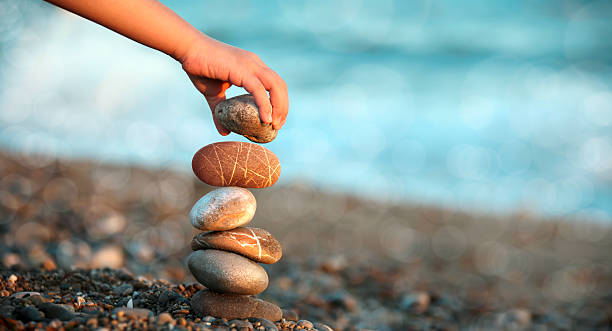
[(53, 311), (322, 327), (125, 289), (241, 325), (267, 324), (29, 313), (7, 311), (304, 324), (290, 315), (167, 297)]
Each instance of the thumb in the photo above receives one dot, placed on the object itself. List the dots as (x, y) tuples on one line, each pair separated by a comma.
[(213, 101)]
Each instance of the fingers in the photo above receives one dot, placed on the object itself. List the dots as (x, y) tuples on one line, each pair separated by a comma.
[(278, 96), (257, 89)]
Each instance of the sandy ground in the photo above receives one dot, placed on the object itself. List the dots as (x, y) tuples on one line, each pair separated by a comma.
[(348, 262)]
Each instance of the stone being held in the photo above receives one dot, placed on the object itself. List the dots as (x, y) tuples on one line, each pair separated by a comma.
[(241, 115)]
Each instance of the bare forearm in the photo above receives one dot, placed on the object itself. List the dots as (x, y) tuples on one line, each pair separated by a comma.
[(146, 21)]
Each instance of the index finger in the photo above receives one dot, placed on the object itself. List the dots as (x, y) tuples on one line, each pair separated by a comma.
[(278, 96), (254, 86)]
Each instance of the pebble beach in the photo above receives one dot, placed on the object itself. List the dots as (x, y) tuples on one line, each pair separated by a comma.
[(91, 245)]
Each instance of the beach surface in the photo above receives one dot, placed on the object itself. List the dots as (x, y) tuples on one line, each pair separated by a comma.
[(97, 236)]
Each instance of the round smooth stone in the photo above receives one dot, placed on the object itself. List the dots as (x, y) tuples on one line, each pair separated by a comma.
[(223, 209), (232, 306), (235, 163), (256, 244), (241, 115), (227, 272)]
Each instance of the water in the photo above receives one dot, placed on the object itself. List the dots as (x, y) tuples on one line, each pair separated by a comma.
[(488, 105)]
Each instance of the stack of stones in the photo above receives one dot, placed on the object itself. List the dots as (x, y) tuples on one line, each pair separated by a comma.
[(225, 257)]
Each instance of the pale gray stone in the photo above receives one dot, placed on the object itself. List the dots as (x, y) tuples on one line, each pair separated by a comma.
[(227, 272)]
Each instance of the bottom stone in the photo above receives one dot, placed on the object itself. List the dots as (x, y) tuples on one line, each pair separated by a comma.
[(232, 306)]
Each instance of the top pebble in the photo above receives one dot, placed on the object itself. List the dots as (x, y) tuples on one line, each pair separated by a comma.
[(241, 115)]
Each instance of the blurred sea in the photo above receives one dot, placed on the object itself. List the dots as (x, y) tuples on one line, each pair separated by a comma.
[(489, 105)]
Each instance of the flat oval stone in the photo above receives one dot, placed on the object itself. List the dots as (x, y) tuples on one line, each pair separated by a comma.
[(256, 244), (223, 209), (241, 115), (232, 306), (227, 272), (234, 163)]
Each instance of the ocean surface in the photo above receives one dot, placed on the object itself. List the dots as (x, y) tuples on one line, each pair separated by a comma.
[(497, 106)]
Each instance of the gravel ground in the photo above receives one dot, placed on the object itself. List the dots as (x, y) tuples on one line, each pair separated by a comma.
[(92, 238)]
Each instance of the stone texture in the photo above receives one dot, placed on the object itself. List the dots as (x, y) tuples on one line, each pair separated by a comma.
[(227, 272), (54, 311), (241, 115), (233, 163), (231, 306), (223, 209), (256, 244)]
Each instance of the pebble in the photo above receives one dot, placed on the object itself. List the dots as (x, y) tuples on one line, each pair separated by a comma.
[(125, 289), (164, 318), (108, 256), (322, 327), (290, 315), (240, 114), (223, 209), (54, 311), (256, 244), (134, 312), (25, 294), (231, 306), (241, 325), (514, 319), (233, 163), (304, 324), (418, 302), (262, 322), (29, 313), (168, 297), (227, 272)]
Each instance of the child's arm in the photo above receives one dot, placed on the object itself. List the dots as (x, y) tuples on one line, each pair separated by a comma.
[(211, 65)]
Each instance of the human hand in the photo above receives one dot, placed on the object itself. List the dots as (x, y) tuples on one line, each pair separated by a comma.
[(214, 66)]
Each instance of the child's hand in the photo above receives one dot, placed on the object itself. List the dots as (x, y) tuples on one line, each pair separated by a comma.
[(214, 66)]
